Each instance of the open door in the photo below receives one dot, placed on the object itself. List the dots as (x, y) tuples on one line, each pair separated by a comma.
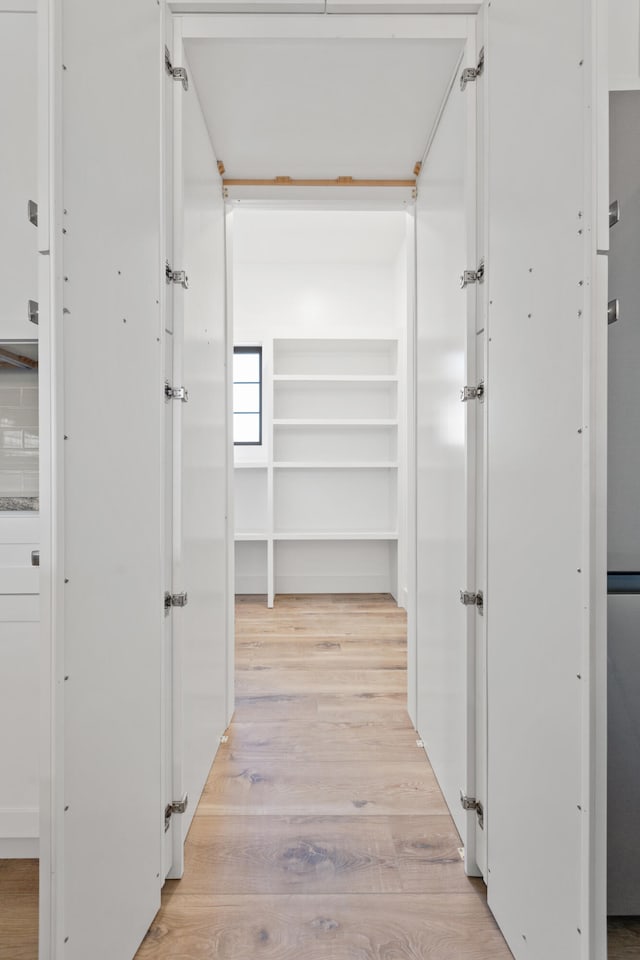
[(445, 456), (546, 585), (102, 546), (202, 632)]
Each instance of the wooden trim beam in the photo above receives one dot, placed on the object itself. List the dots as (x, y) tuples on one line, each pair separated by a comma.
[(10, 359), (338, 182)]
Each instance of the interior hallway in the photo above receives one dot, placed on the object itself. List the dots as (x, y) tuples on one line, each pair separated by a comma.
[(322, 832)]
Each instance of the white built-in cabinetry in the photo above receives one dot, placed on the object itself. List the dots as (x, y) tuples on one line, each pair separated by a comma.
[(327, 473)]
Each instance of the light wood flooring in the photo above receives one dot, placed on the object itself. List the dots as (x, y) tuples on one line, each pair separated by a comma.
[(322, 834)]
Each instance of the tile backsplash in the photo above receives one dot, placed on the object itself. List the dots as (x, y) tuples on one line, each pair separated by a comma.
[(19, 439)]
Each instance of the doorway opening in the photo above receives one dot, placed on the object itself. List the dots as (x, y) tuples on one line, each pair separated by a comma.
[(320, 501), (321, 278)]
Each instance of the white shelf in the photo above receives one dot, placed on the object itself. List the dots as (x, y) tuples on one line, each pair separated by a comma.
[(340, 465), (336, 356), (333, 378), (317, 535), (335, 423), (342, 535), (331, 430)]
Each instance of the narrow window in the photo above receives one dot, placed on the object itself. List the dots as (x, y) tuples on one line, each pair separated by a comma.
[(247, 396)]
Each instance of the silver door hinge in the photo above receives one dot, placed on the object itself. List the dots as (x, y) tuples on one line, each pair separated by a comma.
[(175, 393), (473, 393), (176, 276), (33, 313), (614, 213), (470, 599), (178, 73), (470, 803), (470, 74), (174, 600), (176, 806), (613, 311), (32, 212), (472, 276)]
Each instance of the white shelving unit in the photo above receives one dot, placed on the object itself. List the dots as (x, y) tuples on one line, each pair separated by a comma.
[(328, 481)]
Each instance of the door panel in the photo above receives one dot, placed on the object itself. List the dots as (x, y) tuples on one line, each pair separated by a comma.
[(108, 592), (170, 295), (444, 628), (480, 433), (540, 519), (201, 639), (480, 789)]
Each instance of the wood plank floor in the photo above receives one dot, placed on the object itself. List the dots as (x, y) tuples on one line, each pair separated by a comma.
[(18, 909), (322, 833)]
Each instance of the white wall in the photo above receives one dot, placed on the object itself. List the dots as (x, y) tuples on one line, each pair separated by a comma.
[(285, 299), (315, 272)]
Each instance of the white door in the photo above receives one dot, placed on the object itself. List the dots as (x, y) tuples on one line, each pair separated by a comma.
[(480, 469), (102, 560), (546, 555), (171, 297), (445, 446), (203, 631)]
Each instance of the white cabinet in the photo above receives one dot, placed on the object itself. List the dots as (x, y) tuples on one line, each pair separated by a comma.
[(18, 173), (321, 512), (19, 684)]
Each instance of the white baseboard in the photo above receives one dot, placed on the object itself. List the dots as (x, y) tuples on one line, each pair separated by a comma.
[(19, 830), (20, 848), (250, 584), (317, 583)]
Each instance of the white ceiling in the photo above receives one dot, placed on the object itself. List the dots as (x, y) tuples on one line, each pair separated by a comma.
[(321, 108), (317, 236)]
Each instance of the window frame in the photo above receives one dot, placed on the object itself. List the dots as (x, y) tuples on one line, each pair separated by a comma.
[(250, 349)]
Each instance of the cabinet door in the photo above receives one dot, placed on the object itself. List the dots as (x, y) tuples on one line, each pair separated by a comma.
[(101, 355), (203, 630), (545, 582), (445, 452), (18, 172)]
